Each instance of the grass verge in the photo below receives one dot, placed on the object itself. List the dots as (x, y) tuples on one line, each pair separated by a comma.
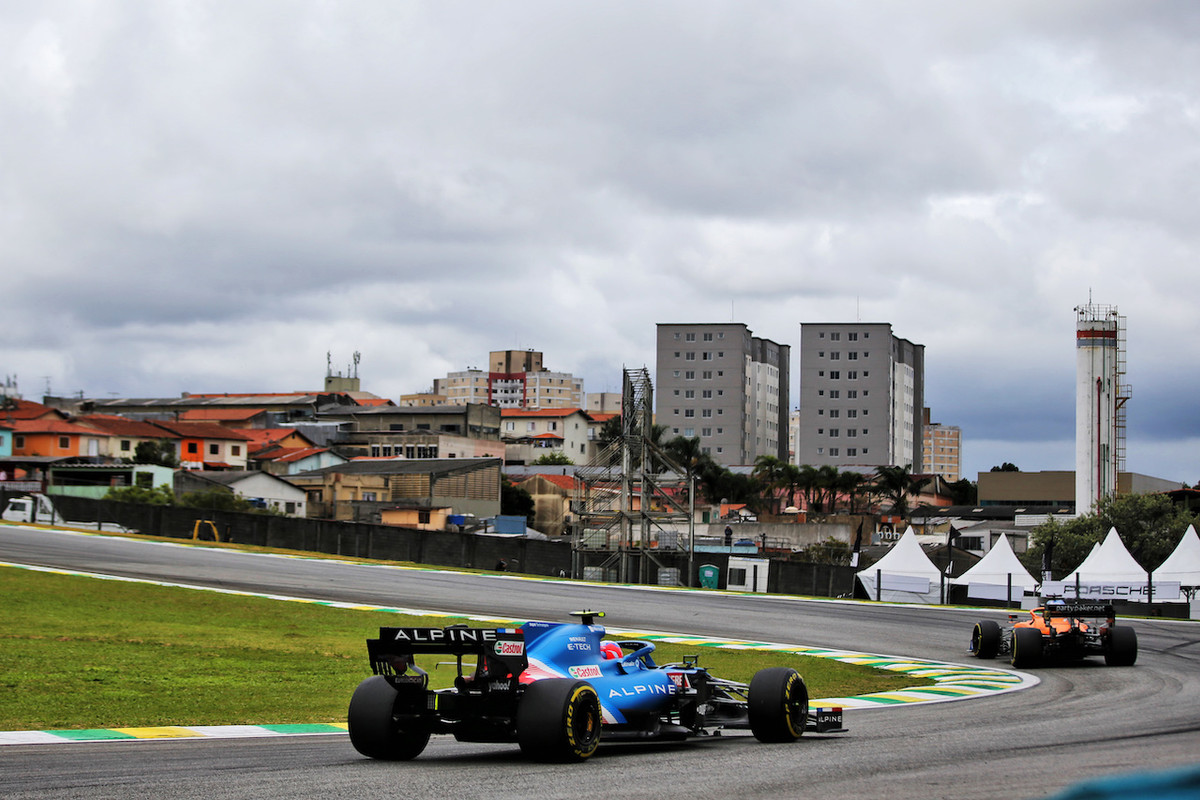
[(78, 652)]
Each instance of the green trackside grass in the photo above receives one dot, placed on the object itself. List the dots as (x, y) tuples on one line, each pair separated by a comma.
[(79, 652)]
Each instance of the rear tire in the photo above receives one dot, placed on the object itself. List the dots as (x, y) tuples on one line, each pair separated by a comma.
[(777, 705), (374, 731), (1120, 649), (985, 639), (1026, 647), (559, 719)]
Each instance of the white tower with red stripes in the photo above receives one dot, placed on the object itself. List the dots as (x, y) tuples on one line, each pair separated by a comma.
[(1099, 403)]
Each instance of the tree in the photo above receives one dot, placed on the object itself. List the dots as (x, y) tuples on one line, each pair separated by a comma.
[(963, 493), (516, 501), (217, 499), (1006, 467), (159, 496), (1150, 526), (156, 451), (767, 472), (689, 454), (854, 487), (553, 458), (825, 488), (898, 484)]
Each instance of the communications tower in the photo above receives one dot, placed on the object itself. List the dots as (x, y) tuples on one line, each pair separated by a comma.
[(1099, 403)]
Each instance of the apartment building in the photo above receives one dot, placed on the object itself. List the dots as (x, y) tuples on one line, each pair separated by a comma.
[(862, 390), (514, 379), (719, 382), (941, 451)]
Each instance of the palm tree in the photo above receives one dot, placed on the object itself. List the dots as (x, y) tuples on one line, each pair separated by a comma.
[(897, 484), (689, 454), (790, 478), (807, 484), (768, 471), (826, 487), (852, 486)]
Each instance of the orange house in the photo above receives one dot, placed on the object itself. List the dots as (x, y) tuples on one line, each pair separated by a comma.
[(54, 438)]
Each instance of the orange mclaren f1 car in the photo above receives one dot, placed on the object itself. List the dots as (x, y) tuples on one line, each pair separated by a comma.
[(1058, 631)]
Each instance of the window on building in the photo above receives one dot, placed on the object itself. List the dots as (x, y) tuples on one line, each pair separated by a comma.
[(235, 450), (193, 448), (852, 412), (691, 337), (834, 394), (834, 413), (852, 337), (852, 355), (835, 375), (708, 337), (835, 356), (214, 449), (852, 375), (690, 375), (64, 442), (833, 433), (850, 451), (833, 337), (689, 393), (833, 452), (689, 412), (707, 412)]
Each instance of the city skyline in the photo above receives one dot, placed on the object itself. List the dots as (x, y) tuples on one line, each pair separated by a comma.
[(252, 187)]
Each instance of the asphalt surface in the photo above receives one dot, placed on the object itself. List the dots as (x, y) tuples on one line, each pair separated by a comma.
[(1081, 721)]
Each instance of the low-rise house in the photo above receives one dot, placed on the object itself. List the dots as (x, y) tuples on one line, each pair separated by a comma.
[(294, 460), (260, 488), (424, 519), (531, 434), (240, 418), (51, 437), (207, 445), (122, 436), (362, 488), (466, 431)]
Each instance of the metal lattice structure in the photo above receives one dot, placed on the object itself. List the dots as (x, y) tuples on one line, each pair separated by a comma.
[(633, 499)]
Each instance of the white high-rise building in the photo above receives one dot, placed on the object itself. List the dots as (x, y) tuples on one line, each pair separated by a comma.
[(1099, 403)]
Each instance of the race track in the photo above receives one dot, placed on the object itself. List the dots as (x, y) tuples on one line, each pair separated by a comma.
[(1080, 721)]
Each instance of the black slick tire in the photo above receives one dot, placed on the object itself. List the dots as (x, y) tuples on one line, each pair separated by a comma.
[(374, 731), (558, 719), (777, 705), (985, 639), (1026, 647), (1120, 646)]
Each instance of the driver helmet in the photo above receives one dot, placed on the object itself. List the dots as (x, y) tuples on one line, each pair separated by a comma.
[(611, 650)]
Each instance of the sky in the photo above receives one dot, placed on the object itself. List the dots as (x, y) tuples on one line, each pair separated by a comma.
[(226, 197)]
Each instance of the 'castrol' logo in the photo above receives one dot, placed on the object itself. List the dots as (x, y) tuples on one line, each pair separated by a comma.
[(585, 672), (510, 648)]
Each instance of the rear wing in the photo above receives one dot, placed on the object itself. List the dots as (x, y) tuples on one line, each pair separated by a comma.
[(497, 650), (1078, 610)]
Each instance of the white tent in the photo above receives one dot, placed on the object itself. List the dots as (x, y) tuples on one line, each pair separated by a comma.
[(995, 572), (1183, 564), (1110, 562), (907, 575)]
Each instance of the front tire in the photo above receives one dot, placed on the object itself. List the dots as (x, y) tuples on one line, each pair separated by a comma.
[(777, 705), (1026, 647), (374, 731), (558, 719), (1120, 649), (985, 639)]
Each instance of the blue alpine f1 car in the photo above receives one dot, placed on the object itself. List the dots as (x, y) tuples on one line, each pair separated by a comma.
[(557, 689)]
